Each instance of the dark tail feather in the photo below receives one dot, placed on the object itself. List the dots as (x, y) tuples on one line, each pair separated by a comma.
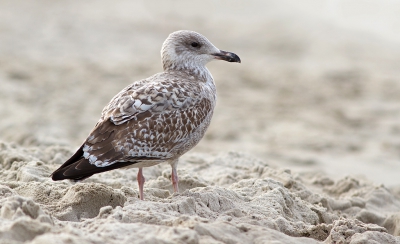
[(77, 155), (79, 168)]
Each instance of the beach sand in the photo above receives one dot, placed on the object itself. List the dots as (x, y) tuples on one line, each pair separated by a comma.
[(304, 145)]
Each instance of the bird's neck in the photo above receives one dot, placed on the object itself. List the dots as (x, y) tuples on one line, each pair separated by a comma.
[(199, 73)]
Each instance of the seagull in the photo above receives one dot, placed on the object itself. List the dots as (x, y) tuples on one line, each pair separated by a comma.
[(154, 120)]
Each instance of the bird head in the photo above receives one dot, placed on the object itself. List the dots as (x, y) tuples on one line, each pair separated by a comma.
[(190, 50)]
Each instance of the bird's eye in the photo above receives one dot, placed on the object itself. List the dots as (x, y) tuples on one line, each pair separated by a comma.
[(195, 44)]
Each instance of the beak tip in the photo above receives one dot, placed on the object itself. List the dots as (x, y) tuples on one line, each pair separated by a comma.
[(234, 58)]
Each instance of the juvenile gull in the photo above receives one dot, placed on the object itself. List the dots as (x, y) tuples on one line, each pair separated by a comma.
[(157, 119)]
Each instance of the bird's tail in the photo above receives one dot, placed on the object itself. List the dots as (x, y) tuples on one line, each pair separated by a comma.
[(83, 169)]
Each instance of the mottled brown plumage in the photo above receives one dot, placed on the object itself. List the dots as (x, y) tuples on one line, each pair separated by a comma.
[(156, 119)]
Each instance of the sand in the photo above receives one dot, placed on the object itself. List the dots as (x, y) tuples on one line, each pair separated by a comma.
[(303, 147)]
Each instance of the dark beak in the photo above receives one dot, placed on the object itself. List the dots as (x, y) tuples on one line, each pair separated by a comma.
[(227, 56)]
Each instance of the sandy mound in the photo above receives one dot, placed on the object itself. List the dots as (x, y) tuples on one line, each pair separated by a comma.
[(226, 198)]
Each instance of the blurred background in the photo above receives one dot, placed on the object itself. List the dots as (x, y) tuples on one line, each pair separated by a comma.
[(318, 89)]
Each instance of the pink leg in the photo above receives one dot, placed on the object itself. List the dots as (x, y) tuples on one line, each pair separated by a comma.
[(140, 180), (175, 179)]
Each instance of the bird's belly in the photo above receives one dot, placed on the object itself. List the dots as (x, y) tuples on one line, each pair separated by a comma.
[(144, 164)]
